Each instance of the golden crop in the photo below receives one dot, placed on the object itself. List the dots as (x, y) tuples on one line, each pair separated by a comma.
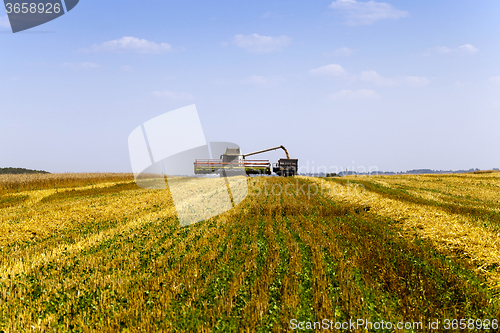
[(97, 253), (41, 181)]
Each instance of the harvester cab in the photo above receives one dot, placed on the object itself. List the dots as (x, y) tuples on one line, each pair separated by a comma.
[(231, 155)]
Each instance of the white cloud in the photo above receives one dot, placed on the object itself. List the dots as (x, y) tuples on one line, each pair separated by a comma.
[(4, 22), (261, 44), (417, 81), (358, 13), (343, 51), (360, 94), (331, 70), (443, 49), (81, 65), (172, 95), (466, 49), (131, 45), (494, 79), (375, 78)]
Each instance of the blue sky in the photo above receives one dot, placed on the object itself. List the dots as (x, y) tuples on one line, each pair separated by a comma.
[(393, 85)]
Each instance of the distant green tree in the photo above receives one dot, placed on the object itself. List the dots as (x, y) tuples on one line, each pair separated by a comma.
[(13, 171)]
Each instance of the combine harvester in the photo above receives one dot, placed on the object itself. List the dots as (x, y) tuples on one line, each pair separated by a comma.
[(232, 162)]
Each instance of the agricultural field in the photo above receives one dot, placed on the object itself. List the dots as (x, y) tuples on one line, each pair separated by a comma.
[(96, 253)]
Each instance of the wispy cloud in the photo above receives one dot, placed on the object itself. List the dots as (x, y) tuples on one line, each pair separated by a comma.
[(4, 22), (261, 44), (37, 63), (126, 68), (268, 15), (371, 76), (443, 49), (361, 13), (80, 65), (416, 81), (494, 79), (258, 80), (466, 49), (343, 52), (174, 95), (329, 70), (361, 94), (375, 78), (131, 45)]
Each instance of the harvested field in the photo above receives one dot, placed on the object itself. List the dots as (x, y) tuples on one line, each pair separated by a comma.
[(97, 253)]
